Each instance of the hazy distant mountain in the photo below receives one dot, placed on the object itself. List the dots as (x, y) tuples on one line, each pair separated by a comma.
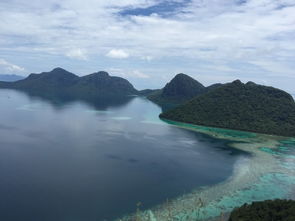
[(248, 107), (56, 79), (10, 77), (180, 89), (60, 81)]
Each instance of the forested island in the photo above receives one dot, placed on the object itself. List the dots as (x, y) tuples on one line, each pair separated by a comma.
[(60, 81), (247, 107), (238, 106)]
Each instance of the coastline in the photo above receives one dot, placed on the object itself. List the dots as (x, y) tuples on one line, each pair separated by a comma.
[(212, 128), (259, 177)]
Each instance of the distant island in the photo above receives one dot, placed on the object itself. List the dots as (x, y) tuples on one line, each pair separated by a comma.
[(179, 90), (238, 106), (247, 107), (59, 81), (10, 77)]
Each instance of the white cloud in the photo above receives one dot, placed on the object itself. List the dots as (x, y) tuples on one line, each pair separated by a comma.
[(147, 58), (77, 54), (117, 53), (10, 67), (214, 32), (128, 73), (139, 74), (73, 24)]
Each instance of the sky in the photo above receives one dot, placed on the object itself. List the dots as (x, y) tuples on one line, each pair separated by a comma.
[(150, 41)]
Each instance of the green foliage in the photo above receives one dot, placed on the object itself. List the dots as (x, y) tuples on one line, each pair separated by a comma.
[(270, 210), (148, 92), (103, 84), (239, 106), (180, 89)]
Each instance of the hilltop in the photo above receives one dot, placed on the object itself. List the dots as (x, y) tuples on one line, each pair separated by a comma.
[(61, 81), (248, 107), (180, 89)]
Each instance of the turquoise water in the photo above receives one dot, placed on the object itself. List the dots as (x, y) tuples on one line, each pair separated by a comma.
[(267, 174)]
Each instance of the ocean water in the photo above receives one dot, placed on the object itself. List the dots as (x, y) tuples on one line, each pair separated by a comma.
[(267, 174), (98, 159)]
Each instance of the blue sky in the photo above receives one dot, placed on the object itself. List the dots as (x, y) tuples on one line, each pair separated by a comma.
[(149, 41)]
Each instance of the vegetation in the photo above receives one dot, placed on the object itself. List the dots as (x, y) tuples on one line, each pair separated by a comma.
[(148, 92), (276, 210), (180, 89), (239, 106), (248, 107), (269, 210), (60, 81)]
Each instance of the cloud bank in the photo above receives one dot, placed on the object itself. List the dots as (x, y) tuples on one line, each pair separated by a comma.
[(117, 53), (5, 66), (212, 40)]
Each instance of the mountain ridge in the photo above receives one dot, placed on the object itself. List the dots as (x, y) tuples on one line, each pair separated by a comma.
[(60, 80), (247, 107), (180, 89), (10, 77)]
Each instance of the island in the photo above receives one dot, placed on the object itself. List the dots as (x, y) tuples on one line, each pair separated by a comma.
[(59, 81), (247, 107)]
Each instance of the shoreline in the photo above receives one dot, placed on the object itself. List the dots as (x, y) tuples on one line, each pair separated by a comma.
[(258, 177), (191, 125)]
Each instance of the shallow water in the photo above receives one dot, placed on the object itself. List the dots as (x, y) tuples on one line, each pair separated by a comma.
[(267, 174), (67, 159)]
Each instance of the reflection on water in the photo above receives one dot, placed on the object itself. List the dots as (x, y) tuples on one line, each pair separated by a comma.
[(61, 100), (65, 158)]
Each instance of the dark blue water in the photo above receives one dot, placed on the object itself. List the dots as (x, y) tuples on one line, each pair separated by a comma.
[(71, 160)]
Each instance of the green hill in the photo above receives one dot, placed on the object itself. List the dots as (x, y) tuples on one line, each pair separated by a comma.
[(180, 89), (60, 81), (147, 92), (104, 84), (248, 107)]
